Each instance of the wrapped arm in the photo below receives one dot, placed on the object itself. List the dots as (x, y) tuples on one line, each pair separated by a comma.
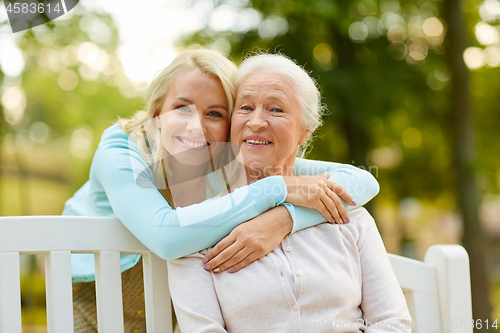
[(360, 184), (127, 182)]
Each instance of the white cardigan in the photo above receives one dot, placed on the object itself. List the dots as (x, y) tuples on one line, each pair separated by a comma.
[(343, 282)]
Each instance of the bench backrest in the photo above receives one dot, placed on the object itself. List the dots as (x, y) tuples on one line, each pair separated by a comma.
[(437, 290), (56, 237)]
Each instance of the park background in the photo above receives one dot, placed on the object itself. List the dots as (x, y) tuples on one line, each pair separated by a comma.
[(412, 90)]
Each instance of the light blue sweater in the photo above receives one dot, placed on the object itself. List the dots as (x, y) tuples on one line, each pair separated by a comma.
[(121, 185)]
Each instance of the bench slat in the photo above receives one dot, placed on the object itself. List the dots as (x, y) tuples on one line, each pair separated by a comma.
[(66, 233), (10, 293), (108, 284), (414, 275), (156, 294), (425, 312), (59, 292)]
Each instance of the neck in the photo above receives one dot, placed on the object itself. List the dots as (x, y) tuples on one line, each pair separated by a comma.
[(180, 173)]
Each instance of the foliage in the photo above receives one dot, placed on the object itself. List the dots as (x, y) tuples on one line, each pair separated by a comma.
[(384, 80), (74, 87)]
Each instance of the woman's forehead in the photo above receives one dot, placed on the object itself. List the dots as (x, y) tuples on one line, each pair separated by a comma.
[(270, 85)]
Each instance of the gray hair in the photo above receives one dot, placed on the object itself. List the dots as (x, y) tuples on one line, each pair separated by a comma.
[(307, 88)]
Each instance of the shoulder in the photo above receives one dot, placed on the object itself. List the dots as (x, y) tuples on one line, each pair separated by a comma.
[(360, 215), (114, 132), (118, 151), (116, 137), (361, 223), (364, 226)]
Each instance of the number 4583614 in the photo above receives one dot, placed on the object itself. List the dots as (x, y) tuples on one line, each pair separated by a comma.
[(32, 8)]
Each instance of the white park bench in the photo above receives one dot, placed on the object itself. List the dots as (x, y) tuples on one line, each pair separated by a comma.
[(437, 290)]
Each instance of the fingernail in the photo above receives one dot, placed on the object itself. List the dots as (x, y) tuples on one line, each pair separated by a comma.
[(332, 221), (205, 260), (231, 270), (216, 270), (354, 203), (348, 219), (207, 267)]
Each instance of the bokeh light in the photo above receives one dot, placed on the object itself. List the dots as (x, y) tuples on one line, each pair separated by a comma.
[(473, 57), (433, 27), (223, 18), (325, 57), (81, 141), (11, 58), (358, 32), (492, 56), (272, 26), (418, 50), (486, 34), (14, 103), (40, 131), (412, 138), (490, 10), (68, 80), (386, 157), (396, 33)]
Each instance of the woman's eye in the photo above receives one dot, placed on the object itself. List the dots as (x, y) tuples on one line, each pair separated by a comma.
[(277, 109), (215, 114), (183, 108), (246, 108)]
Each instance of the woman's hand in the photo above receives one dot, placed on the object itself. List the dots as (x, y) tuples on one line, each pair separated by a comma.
[(250, 241), (320, 193)]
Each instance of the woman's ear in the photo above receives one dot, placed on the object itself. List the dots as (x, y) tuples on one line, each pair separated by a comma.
[(157, 121), (304, 137)]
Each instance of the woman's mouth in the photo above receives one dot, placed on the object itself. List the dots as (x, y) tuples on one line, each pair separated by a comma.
[(254, 142), (192, 144)]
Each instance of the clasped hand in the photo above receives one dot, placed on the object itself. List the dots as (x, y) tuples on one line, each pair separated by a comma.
[(259, 236)]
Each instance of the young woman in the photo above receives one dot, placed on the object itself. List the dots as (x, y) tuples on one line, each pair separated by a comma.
[(150, 170)]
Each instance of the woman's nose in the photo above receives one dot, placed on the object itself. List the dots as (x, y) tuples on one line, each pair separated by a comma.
[(258, 120), (194, 124)]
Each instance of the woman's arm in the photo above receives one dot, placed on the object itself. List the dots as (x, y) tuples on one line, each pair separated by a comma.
[(127, 182), (359, 183), (383, 303), (236, 251)]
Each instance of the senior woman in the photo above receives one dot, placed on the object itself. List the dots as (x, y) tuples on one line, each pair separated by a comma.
[(323, 279)]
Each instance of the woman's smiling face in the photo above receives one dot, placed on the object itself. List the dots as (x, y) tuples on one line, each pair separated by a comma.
[(267, 122), (194, 116)]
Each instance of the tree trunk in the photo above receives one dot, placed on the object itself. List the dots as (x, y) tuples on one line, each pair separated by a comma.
[(351, 115), (464, 155)]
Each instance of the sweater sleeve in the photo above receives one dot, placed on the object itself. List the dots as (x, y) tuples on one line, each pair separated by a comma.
[(194, 296), (359, 183), (383, 303), (128, 185)]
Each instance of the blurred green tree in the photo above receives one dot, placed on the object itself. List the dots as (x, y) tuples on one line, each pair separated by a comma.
[(72, 87)]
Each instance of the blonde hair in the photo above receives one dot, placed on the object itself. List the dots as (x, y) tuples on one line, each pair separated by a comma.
[(141, 125), (307, 88)]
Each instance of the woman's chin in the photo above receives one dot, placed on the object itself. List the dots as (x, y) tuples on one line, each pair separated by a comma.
[(191, 158)]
